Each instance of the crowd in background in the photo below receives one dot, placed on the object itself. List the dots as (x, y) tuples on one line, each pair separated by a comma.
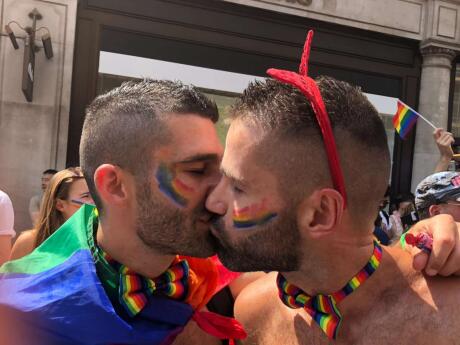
[(399, 212)]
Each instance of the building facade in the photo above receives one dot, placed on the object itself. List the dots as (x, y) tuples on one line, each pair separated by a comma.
[(392, 49)]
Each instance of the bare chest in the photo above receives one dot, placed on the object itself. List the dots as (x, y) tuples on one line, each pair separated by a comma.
[(402, 318)]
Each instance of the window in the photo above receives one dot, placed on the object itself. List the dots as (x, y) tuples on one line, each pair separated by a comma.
[(221, 86)]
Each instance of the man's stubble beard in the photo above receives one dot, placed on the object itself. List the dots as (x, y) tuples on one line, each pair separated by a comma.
[(170, 230), (275, 247)]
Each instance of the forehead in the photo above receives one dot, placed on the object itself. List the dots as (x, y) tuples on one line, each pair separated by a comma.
[(191, 135), (240, 158), (79, 185)]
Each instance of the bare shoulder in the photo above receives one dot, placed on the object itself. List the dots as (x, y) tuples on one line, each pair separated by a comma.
[(433, 290), (241, 282), (24, 245), (431, 304), (255, 298), (266, 320)]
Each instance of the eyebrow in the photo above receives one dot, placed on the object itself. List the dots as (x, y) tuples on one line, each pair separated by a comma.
[(231, 177), (200, 158)]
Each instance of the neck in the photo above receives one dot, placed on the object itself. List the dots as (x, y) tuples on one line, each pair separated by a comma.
[(132, 252), (332, 262)]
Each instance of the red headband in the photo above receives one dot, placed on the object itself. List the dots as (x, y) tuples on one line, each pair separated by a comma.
[(309, 88)]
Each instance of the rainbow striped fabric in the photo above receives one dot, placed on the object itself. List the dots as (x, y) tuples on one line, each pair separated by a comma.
[(404, 119), (135, 290), (323, 308), (56, 295)]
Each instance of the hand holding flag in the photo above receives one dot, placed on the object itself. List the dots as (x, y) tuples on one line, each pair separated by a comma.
[(405, 119)]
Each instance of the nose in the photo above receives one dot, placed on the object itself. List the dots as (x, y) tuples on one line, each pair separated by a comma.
[(216, 200)]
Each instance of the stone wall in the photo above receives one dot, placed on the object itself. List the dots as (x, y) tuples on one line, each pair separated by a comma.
[(434, 23), (434, 20), (33, 136)]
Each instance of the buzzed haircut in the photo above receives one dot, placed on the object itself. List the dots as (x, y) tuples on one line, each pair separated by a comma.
[(285, 113), (49, 172), (123, 126)]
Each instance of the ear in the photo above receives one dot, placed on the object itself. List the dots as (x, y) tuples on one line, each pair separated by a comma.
[(111, 184), (60, 205), (321, 212), (434, 210)]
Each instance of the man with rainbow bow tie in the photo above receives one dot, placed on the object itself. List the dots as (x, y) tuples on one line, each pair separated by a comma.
[(111, 275)]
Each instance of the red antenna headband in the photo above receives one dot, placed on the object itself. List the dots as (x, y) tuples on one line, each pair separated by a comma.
[(309, 88)]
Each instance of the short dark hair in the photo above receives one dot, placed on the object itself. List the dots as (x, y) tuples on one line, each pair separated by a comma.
[(361, 140), (424, 212), (49, 172), (123, 126), (400, 198)]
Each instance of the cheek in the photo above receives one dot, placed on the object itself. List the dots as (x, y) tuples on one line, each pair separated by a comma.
[(253, 215), (174, 188)]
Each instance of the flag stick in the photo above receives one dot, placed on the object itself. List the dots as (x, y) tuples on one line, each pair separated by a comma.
[(422, 117), (430, 123)]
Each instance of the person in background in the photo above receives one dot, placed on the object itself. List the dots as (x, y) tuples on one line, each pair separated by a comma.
[(36, 201), (439, 193), (6, 226), (382, 229), (444, 141), (66, 192), (401, 211)]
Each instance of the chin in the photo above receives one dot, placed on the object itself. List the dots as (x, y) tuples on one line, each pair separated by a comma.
[(203, 247), (235, 264)]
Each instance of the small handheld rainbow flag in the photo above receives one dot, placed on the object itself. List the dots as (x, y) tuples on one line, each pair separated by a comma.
[(405, 119)]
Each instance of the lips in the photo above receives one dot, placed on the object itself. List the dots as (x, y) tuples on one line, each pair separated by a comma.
[(217, 225)]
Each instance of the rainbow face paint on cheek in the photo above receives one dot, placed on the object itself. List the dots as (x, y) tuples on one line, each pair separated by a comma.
[(253, 215), (172, 187)]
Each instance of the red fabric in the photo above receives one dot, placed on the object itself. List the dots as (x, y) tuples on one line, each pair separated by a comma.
[(309, 88), (421, 240), (202, 282), (219, 326), (225, 276)]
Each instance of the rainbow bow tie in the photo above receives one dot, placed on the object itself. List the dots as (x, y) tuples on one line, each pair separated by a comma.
[(135, 290), (323, 308)]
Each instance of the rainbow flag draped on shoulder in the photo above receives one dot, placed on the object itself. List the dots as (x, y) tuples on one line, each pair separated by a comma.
[(404, 119), (56, 297)]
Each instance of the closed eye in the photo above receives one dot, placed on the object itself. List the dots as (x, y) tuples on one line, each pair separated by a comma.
[(198, 172), (237, 190)]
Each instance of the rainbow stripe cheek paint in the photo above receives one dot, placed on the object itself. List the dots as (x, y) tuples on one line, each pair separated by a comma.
[(172, 187), (253, 215)]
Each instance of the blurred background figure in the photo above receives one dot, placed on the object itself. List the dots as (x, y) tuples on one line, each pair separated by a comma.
[(66, 192), (444, 141), (403, 215), (439, 193), (382, 229), (6, 226), (36, 200)]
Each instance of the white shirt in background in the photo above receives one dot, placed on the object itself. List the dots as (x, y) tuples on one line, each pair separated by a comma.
[(6, 215)]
